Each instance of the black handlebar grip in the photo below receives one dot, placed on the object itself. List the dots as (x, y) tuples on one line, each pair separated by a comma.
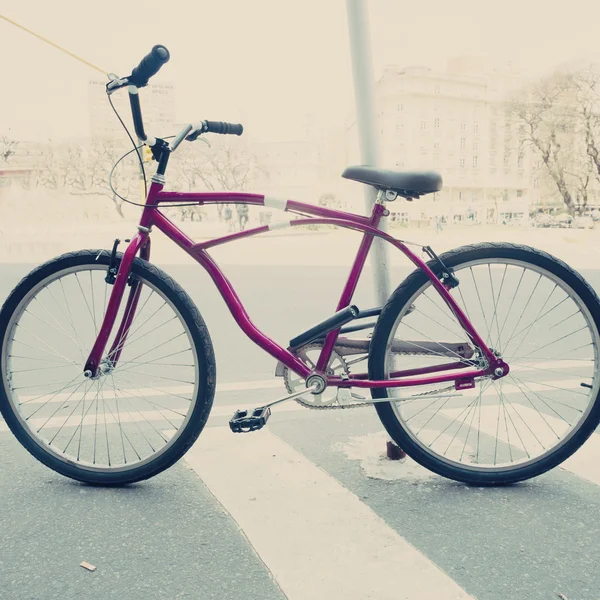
[(149, 66), (224, 128)]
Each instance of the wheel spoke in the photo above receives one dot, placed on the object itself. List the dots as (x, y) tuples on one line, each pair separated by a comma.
[(543, 331), (122, 419)]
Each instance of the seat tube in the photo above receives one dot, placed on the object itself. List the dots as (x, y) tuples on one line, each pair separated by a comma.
[(377, 213)]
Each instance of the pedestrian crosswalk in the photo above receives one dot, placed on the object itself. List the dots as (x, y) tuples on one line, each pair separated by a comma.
[(316, 535)]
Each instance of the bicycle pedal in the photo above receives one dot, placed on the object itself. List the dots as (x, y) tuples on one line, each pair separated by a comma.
[(245, 421)]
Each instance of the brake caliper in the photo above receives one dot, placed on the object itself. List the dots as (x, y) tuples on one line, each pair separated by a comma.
[(447, 277), (113, 266)]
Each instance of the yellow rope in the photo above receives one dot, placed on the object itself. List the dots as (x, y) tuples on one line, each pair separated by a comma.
[(85, 62)]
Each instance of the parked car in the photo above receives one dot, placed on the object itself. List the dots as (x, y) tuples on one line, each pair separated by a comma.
[(583, 223)]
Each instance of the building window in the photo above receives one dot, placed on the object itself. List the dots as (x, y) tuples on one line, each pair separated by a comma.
[(492, 161), (463, 125), (475, 146), (462, 162), (519, 193), (463, 142), (436, 123), (423, 125), (506, 160), (437, 88), (436, 145), (476, 128), (474, 161), (520, 162)]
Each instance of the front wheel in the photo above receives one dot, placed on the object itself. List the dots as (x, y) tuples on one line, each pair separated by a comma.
[(138, 417), (535, 312)]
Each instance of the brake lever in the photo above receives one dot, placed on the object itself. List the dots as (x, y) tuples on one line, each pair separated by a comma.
[(199, 129), (193, 136), (115, 83)]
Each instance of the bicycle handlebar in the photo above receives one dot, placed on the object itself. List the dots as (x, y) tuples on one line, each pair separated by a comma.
[(223, 128), (149, 66), (214, 127)]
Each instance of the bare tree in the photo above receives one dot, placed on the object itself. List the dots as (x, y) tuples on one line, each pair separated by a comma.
[(559, 119), (48, 168), (222, 165), (85, 170), (8, 149), (102, 155), (586, 85)]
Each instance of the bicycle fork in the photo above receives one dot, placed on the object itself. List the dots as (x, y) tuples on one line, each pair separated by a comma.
[(95, 362)]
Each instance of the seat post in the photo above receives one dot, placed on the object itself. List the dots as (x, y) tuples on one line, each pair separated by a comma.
[(378, 210)]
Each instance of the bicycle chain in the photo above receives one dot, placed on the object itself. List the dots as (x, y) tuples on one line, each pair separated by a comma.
[(360, 404)]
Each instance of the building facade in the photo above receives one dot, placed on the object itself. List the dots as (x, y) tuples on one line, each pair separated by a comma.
[(454, 122)]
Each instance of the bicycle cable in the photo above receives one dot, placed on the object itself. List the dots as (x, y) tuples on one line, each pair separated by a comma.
[(142, 168)]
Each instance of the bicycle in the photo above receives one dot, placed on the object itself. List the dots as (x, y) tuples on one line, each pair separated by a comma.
[(117, 381)]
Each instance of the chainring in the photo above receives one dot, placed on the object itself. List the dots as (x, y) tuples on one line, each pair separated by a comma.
[(294, 383)]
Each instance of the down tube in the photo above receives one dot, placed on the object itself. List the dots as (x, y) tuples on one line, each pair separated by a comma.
[(229, 296), (243, 320)]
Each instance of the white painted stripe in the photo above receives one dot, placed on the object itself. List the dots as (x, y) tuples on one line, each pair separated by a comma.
[(280, 225), (508, 388), (223, 410), (277, 383), (275, 202), (143, 416), (549, 366), (584, 463), (184, 390), (338, 547)]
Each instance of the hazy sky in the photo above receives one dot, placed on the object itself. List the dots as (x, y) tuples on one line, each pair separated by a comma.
[(263, 62)]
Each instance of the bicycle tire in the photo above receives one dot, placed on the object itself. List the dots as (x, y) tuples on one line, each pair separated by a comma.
[(404, 296), (191, 321)]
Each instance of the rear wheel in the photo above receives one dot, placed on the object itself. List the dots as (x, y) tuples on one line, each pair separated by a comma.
[(535, 312), (135, 419)]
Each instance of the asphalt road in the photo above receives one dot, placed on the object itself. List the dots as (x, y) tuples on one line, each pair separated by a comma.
[(226, 524)]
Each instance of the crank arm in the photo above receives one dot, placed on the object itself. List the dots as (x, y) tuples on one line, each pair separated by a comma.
[(312, 389)]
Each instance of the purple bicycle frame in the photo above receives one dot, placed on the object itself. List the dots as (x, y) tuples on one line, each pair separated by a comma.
[(152, 217)]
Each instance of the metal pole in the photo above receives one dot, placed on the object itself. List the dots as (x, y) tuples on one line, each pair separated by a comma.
[(362, 70)]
